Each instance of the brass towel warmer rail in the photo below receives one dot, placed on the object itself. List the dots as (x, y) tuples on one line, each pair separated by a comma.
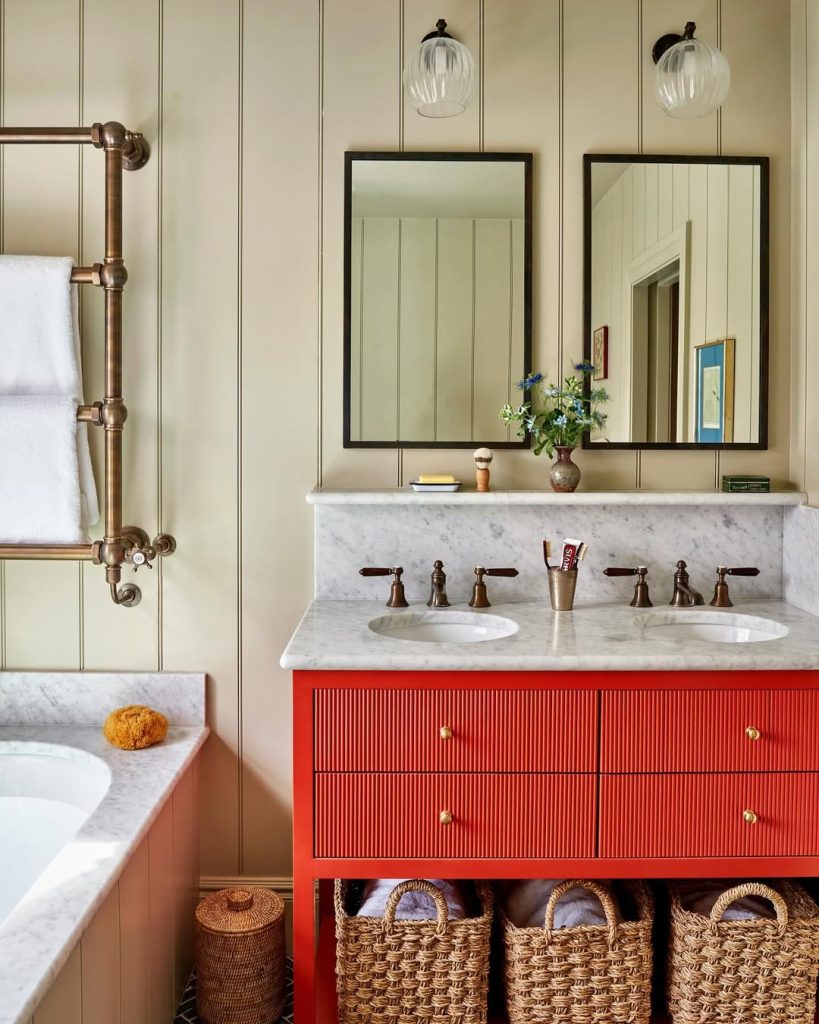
[(120, 545)]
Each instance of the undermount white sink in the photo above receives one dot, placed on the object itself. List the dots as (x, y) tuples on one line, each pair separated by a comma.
[(717, 627), (443, 627)]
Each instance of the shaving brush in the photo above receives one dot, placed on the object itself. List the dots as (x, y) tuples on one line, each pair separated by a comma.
[(482, 457)]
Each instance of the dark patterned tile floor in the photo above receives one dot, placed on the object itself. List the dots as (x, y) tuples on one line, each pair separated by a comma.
[(186, 1014)]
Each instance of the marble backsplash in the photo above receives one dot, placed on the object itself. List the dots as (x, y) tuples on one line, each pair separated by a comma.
[(801, 557), (351, 536)]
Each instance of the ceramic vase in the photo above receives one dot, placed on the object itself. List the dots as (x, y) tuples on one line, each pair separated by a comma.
[(565, 474)]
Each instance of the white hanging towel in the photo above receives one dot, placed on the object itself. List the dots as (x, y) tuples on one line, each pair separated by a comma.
[(44, 455)]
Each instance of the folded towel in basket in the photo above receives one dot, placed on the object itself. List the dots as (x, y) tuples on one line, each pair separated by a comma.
[(414, 906), (40, 494), (46, 480), (699, 896), (525, 903)]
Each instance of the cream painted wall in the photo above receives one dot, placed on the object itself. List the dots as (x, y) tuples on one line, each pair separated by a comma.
[(805, 226), (234, 305)]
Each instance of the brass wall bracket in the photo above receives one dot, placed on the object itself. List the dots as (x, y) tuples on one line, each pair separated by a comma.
[(124, 151)]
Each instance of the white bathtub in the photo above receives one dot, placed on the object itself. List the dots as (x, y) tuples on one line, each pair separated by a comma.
[(47, 793)]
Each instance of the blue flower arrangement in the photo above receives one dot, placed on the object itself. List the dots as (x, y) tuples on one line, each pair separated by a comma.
[(557, 417)]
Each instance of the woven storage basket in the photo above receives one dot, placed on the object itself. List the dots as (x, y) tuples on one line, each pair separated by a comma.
[(594, 974), (240, 957), (761, 971), (407, 972)]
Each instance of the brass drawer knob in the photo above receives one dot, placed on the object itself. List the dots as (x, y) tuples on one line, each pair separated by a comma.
[(446, 732), (750, 817), (446, 817), (752, 732)]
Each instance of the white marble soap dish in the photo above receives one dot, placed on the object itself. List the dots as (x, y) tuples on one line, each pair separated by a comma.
[(418, 486)]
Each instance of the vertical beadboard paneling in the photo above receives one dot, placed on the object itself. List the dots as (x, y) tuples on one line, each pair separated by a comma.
[(185, 876), (161, 911), (62, 1003), (711, 806), (101, 947), (135, 939), (594, 35), (127, 76), (416, 362), (200, 383), (40, 215), (362, 98), (755, 119), (492, 815), (279, 397), (492, 731)]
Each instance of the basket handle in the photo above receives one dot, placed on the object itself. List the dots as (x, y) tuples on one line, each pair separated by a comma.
[(724, 900), (416, 885), (600, 891)]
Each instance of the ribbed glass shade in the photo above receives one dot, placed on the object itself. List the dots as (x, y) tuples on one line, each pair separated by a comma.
[(440, 77), (693, 79)]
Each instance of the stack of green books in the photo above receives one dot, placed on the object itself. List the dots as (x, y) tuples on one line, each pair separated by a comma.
[(736, 483)]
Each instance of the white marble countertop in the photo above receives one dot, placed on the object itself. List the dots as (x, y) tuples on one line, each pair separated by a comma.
[(472, 497), (39, 934), (336, 635)]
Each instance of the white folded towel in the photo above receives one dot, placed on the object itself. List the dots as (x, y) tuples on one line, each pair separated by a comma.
[(47, 490), (414, 906), (699, 897), (525, 903)]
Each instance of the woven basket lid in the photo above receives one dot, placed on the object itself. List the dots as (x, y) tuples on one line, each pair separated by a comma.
[(233, 911)]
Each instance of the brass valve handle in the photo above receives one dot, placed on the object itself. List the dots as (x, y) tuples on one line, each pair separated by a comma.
[(641, 597), (749, 570), (621, 572), (397, 570), (397, 598), (479, 598), (501, 572)]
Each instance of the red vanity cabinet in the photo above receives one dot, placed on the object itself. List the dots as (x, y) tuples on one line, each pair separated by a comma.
[(544, 774)]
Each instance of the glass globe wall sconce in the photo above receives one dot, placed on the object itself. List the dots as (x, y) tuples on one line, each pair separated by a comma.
[(692, 78), (440, 75)]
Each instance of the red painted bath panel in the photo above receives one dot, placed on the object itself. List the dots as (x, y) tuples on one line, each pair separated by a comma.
[(706, 731), (704, 815), (498, 816), (451, 730)]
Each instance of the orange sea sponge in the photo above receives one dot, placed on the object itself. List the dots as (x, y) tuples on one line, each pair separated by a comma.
[(135, 727)]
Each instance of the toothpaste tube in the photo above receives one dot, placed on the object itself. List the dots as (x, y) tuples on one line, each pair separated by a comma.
[(570, 550)]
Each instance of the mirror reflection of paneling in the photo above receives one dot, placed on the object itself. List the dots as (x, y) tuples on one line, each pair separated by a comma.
[(437, 303), (676, 249)]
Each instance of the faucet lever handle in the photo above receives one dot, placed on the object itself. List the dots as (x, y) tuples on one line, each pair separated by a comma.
[(371, 571), (397, 598), (501, 572), (621, 572), (747, 570), (641, 597)]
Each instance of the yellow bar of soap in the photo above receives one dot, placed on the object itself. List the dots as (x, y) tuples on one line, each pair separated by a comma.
[(436, 478)]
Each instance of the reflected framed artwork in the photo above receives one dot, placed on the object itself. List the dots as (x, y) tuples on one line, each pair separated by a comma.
[(715, 391), (600, 353)]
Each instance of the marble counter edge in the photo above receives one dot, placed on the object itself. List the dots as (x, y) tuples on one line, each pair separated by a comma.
[(598, 498)]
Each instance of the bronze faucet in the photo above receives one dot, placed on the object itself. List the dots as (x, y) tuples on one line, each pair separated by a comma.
[(721, 598), (684, 595), (479, 597), (641, 598), (437, 593), (397, 598)]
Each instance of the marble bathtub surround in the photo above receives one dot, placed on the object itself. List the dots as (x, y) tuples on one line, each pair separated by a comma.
[(86, 698), (508, 528), (601, 636), (801, 551), (39, 934)]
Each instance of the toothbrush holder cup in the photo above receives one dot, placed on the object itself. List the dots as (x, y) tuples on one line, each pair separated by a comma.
[(562, 583)]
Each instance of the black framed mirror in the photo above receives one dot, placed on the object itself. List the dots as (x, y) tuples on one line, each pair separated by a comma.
[(437, 297), (676, 252)]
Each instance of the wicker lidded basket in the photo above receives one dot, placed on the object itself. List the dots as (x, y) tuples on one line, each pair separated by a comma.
[(240, 957), (590, 974), (404, 972), (759, 971)]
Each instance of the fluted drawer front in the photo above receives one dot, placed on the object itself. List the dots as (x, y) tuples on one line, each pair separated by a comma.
[(498, 816), (720, 815), (704, 730), (455, 730)]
